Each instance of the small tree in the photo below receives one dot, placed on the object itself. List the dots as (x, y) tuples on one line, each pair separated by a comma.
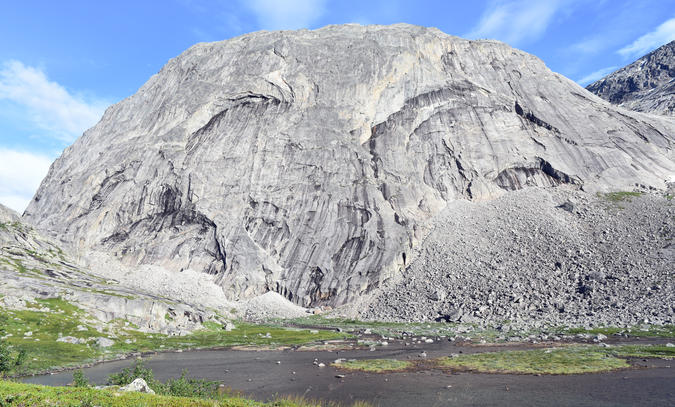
[(79, 379), (129, 374), (9, 358)]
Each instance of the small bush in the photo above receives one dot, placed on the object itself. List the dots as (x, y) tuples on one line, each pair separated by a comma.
[(9, 357), (79, 379), (129, 374), (190, 387), (183, 387)]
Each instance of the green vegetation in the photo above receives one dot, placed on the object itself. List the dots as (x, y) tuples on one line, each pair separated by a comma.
[(389, 329), (539, 361), (643, 351), (10, 358), (183, 387), (567, 360), (647, 331), (38, 328), (20, 394), (79, 380), (375, 365), (9, 226), (620, 196), (470, 332)]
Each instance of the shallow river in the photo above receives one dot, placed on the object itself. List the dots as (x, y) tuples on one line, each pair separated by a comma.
[(257, 374)]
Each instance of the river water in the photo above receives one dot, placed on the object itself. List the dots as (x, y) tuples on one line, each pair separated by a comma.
[(265, 374)]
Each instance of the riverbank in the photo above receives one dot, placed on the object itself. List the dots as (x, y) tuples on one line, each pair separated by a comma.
[(263, 375)]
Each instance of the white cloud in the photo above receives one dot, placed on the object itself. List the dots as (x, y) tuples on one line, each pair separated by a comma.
[(286, 14), (594, 76), (650, 41), (47, 104), (20, 176), (590, 45), (517, 21)]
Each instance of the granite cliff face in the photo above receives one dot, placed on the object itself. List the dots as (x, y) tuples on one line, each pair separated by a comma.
[(646, 85), (311, 163), (35, 267)]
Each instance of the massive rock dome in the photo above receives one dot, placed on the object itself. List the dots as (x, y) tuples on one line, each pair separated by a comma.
[(312, 163)]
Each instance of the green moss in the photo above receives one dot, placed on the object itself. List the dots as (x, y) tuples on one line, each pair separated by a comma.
[(567, 360), (212, 326), (572, 360), (110, 293), (375, 365), (11, 226), (619, 196), (643, 351), (243, 334), (647, 331)]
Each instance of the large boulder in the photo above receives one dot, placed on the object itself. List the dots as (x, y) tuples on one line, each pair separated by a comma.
[(138, 385)]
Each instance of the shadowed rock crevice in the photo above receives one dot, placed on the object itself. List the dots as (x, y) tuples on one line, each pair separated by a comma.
[(534, 119), (540, 173)]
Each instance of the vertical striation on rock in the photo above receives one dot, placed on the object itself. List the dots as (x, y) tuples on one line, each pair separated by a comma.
[(310, 163)]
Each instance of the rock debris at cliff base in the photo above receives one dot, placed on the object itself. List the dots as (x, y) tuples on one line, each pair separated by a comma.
[(538, 256)]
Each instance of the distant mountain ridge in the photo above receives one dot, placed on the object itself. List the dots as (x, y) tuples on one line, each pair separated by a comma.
[(647, 85)]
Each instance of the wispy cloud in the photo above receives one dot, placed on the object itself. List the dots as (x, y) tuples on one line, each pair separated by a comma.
[(20, 175), (650, 41), (517, 21), (47, 104), (286, 14), (594, 76), (590, 45)]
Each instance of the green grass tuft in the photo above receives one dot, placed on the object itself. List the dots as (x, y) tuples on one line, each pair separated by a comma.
[(647, 331), (619, 196), (643, 351), (375, 365)]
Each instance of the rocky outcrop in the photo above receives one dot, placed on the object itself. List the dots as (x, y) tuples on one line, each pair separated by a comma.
[(312, 163), (646, 85), (34, 267)]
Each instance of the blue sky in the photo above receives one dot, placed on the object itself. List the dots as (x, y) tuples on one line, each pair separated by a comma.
[(63, 62)]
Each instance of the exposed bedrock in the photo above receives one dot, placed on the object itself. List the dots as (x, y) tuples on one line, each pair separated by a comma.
[(311, 163), (646, 85)]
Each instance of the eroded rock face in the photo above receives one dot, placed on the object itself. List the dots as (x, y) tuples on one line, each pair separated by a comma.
[(33, 267), (646, 85), (310, 163)]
